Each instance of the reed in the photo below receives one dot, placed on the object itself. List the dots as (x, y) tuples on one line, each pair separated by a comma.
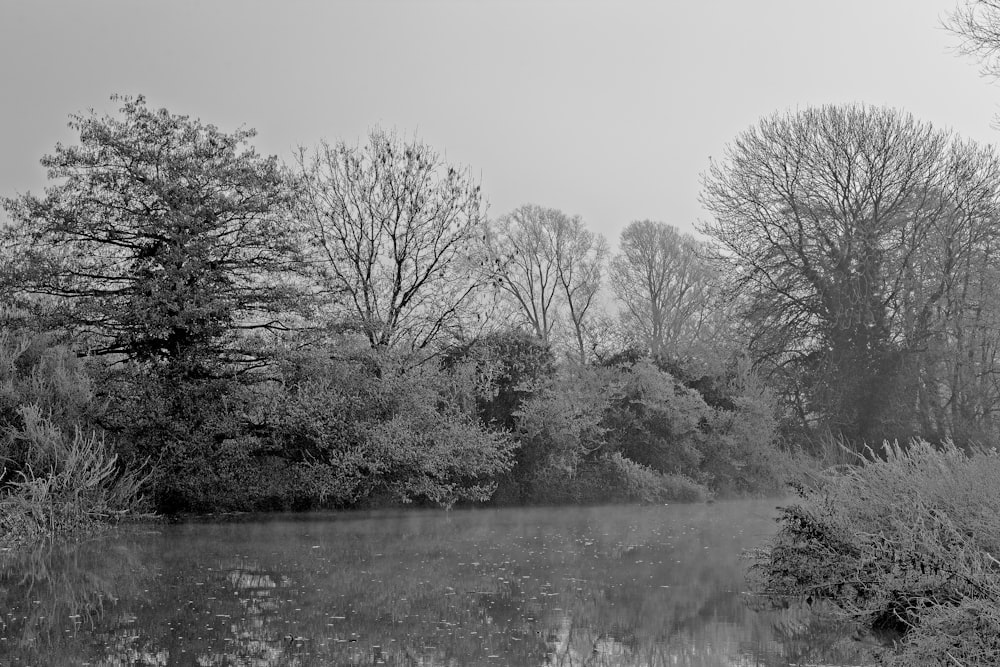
[(69, 482)]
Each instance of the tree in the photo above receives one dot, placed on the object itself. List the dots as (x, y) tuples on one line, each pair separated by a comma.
[(549, 260), (580, 259), (164, 239), (827, 217), (977, 22), (395, 231), (663, 283)]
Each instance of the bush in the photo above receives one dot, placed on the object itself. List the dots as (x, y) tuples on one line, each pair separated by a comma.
[(371, 428), (70, 483), (558, 429), (509, 367), (613, 479), (655, 420), (58, 471), (900, 543)]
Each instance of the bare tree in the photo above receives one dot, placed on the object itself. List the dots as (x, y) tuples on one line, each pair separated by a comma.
[(395, 233), (580, 259), (549, 260), (977, 22), (828, 218), (663, 284)]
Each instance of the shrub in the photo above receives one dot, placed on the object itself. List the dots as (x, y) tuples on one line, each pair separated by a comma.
[(211, 440), (58, 471), (558, 428), (509, 367), (655, 420), (903, 542), (640, 483), (69, 483), (613, 478), (373, 428)]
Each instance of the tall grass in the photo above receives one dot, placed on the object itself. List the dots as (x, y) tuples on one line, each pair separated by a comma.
[(904, 542), (68, 482)]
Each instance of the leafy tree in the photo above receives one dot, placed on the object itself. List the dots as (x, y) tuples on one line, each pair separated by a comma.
[(560, 425), (656, 421), (163, 238), (395, 231)]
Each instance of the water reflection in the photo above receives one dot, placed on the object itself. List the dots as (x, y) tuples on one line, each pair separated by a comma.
[(618, 586)]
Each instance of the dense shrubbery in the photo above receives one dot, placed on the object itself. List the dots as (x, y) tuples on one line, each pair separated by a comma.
[(371, 427), (633, 431), (904, 543), (351, 427), (58, 472), (313, 431)]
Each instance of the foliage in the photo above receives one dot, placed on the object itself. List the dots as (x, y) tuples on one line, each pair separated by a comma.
[(58, 471), (902, 542), (71, 483), (509, 367), (635, 432), (163, 238), (656, 421), (370, 428), (558, 428), (37, 371), (210, 440), (629, 481), (174, 263)]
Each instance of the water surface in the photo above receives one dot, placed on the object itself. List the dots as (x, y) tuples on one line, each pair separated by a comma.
[(602, 586)]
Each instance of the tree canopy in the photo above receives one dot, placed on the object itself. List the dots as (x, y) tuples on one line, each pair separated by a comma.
[(834, 221), (162, 238), (394, 231)]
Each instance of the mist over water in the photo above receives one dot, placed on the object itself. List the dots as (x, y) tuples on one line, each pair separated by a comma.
[(622, 585)]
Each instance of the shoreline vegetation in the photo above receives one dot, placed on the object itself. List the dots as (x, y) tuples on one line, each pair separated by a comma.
[(903, 545), (497, 423)]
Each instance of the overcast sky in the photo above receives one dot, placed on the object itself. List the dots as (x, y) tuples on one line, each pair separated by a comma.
[(609, 110)]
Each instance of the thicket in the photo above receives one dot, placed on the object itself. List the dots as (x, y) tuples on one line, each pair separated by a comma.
[(345, 426), (59, 473), (632, 431), (903, 544)]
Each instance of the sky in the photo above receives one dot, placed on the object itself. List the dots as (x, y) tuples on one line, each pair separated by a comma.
[(607, 110)]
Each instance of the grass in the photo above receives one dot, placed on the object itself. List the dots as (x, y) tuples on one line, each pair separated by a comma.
[(70, 483)]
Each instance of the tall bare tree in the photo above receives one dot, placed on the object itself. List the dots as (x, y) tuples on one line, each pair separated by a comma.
[(580, 259), (549, 261), (663, 284), (396, 234), (977, 22), (832, 219)]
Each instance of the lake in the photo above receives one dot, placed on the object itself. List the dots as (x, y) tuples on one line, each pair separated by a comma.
[(597, 586)]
